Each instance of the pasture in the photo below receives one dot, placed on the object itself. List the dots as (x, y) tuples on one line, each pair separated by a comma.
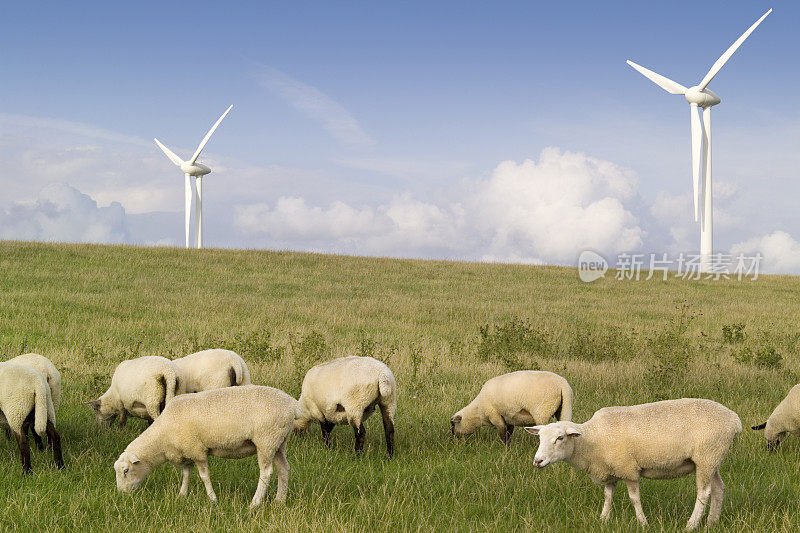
[(444, 328)]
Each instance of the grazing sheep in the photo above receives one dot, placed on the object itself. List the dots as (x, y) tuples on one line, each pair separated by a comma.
[(346, 391), (47, 368), (783, 420), (658, 440), (230, 422), (140, 387), (516, 399), (25, 402), (213, 369)]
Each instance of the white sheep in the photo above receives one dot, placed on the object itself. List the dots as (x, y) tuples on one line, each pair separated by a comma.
[(213, 369), (784, 419), (25, 403), (516, 399), (230, 422), (140, 387), (346, 391), (658, 440), (47, 368)]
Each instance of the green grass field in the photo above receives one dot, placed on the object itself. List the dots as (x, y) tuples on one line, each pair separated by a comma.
[(444, 328)]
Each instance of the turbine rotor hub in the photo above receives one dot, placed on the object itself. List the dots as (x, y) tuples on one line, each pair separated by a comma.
[(704, 98)]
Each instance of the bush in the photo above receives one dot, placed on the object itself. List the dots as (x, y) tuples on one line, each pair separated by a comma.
[(733, 333), (768, 357), (257, 345), (610, 345), (508, 342)]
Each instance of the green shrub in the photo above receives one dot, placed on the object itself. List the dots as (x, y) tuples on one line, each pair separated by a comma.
[(508, 342), (257, 345), (733, 333), (768, 357)]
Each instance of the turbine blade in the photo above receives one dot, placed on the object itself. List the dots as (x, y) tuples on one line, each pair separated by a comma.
[(207, 137), (697, 148), (175, 159), (667, 84), (715, 68)]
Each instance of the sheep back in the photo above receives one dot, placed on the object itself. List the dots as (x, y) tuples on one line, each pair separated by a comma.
[(213, 369), (47, 368)]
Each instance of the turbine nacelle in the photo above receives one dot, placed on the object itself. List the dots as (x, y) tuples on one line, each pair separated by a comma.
[(702, 97), (197, 169)]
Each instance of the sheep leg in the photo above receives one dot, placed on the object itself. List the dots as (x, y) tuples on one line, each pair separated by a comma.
[(388, 429), (8, 433), (55, 442), (507, 435), (186, 468), (327, 427), (27, 426), (24, 451), (264, 473), (608, 490), (282, 466), (717, 493), (123, 418), (361, 436), (205, 475), (633, 494), (500, 425), (703, 492)]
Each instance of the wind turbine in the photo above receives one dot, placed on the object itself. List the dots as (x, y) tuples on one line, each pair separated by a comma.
[(700, 97), (192, 168)]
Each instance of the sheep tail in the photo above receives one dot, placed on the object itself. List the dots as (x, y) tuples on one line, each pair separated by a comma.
[(43, 405), (565, 411), (171, 385), (385, 386)]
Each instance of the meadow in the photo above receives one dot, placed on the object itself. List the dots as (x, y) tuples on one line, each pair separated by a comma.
[(444, 328)]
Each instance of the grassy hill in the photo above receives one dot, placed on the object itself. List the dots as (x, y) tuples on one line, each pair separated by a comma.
[(444, 328)]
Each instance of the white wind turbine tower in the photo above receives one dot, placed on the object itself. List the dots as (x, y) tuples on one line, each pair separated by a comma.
[(701, 97), (192, 168)]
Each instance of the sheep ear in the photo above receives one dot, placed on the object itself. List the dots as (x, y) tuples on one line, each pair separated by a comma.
[(133, 459), (94, 404), (533, 430), (572, 432), (760, 426)]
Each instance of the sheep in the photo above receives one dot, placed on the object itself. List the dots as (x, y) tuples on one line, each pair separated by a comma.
[(516, 399), (346, 391), (783, 420), (47, 368), (25, 402), (139, 387), (213, 369), (658, 440), (50, 373), (231, 422)]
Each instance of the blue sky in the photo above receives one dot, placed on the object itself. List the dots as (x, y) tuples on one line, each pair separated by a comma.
[(379, 105)]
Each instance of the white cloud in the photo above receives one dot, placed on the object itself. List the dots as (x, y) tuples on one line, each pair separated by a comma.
[(316, 104), (62, 213), (780, 251), (530, 212)]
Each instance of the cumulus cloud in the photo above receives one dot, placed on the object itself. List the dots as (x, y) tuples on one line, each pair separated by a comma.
[(317, 105), (62, 213), (674, 214), (780, 251), (534, 211)]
